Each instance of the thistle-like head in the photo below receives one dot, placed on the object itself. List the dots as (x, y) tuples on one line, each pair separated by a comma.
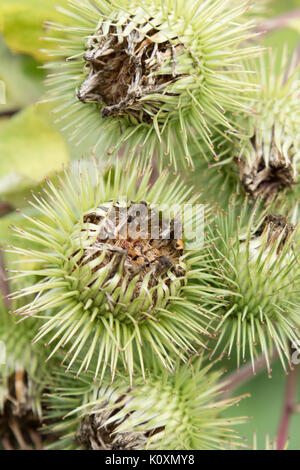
[(264, 160), (255, 261), (152, 76), (115, 267), (169, 412)]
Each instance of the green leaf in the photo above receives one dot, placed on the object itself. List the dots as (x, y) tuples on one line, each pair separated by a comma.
[(30, 150), (23, 23), (278, 6), (22, 79), (284, 37)]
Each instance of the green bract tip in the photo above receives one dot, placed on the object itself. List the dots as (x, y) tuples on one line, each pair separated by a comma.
[(152, 77)]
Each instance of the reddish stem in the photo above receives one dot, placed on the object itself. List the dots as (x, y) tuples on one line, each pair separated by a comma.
[(236, 379), (279, 22), (5, 208), (9, 112), (288, 409), (298, 54)]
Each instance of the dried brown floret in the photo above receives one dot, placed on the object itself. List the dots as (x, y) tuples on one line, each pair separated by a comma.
[(276, 226), (20, 427), (261, 180), (137, 248), (124, 68), (94, 434)]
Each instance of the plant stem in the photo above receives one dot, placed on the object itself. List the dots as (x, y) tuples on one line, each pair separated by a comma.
[(5, 208), (236, 379), (288, 409), (9, 112), (279, 22), (298, 54)]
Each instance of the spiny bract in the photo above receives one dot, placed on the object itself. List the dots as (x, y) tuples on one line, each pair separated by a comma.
[(257, 9), (104, 291), (169, 412), (21, 362), (254, 264), (22, 382), (269, 444), (152, 76)]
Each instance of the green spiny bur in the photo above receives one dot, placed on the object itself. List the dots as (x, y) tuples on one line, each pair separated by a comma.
[(254, 260), (169, 412), (264, 161), (152, 78), (108, 297)]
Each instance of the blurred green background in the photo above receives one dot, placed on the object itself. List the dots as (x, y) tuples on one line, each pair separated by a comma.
[(32, 146)]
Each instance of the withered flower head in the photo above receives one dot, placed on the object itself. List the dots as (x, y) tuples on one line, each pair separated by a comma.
[(122, 66), (19, 421), (151, 76), (115, 267), (269, 159)]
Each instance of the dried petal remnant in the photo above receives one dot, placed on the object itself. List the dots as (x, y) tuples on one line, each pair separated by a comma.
[(19, 425), (262, 180), (125, 68), (136, 242), (95, 434), (276, 226)]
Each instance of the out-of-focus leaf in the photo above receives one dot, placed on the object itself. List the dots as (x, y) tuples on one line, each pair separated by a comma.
[(13, 218), (278, 6), (281, 37), (295, 24), (12, 259), (23, 23), (30, 149), (21, 77), (288, 33)]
